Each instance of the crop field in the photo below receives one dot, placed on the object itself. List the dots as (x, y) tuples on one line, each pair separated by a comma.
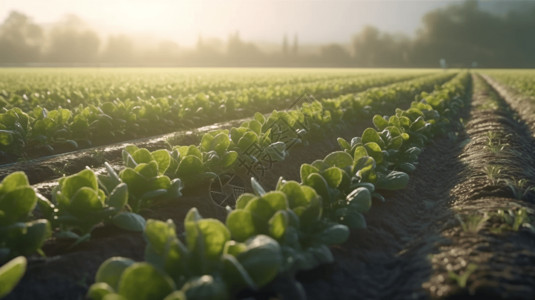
[(267, 183)]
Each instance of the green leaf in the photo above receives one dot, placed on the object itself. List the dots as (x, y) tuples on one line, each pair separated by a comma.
[(142, 156), (257, 188), (370, 135), (240, 224), (229, 159), (354, 220), (306, 170), (110, 271), (255, 126), (319, 184), (220, 143), (119, 196), (259, 117), (147, 170), (360, 199), (136, 183), (278, 224), (277, 200), (215, 236), (205, 287), (333, 176), (261, 211), (294, 193), (71, 184), (343, 144), (375, 151), (334, 235), (13, 182), (395, 180), (206, 142), (360, 151), (244, 199), (235, 274), (262, 259), (85, 200), (320, 164), (16, 204), (247, 140), (163, 159), (189, 166), (10, 274), (33, 237), (379, 122), (396, 142), (99, 290), (129, 221), (144, 282), (6, 137), (364, 167), (339, 159), (158, 233)]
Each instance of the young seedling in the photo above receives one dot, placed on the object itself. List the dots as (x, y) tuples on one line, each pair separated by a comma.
[(494, 142), (492, 172), (519, 187), (472, 223), (512, 220), (462, 278)]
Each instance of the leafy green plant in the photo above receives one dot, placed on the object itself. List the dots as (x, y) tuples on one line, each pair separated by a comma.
[(494, 142), (493, 172), (18, 236), (78, 205), (473, 223), (512, 220), (462, 278), (292, 215), (145, 177), (14, 127), (519, 187), (208, 266), (10, 274)]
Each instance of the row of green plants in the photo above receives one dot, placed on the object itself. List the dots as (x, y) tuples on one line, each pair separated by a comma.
[(82, 201), (521, 80), (280, 232), (68, 88), (61, 129)]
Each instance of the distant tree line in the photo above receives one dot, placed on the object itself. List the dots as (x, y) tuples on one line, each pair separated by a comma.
[(462, 34)]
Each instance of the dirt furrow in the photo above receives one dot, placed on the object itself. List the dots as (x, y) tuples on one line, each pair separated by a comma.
[(488, 257)]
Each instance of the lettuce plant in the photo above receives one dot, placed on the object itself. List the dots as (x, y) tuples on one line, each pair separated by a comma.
[(292, 215), (145, 177), (14, 127), (18, 236), (209, 265), (79, 205)]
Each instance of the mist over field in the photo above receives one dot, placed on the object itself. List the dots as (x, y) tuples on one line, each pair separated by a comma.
[(363, 33)]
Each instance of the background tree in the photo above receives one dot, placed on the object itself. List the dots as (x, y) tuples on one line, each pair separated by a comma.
[(20, 39), (71, 41)]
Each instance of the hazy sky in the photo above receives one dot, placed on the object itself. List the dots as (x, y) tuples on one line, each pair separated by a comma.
[(315, 21)]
